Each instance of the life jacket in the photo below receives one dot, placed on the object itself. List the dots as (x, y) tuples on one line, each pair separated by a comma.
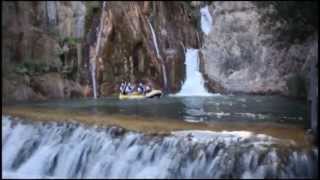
[(128, 88), (141, 88)]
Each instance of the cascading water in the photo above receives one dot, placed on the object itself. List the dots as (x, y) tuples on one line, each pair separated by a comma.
[(206, 20), (69, 150), (93, 76), (154, 38), (96, 54), (52, 12), (194, 84)]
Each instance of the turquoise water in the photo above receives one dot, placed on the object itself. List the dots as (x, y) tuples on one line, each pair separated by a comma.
[(246, 108)]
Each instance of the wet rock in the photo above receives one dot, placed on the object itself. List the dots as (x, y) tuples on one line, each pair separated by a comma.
[(18, 89), (50, 85), (73, 89), (116, 131)]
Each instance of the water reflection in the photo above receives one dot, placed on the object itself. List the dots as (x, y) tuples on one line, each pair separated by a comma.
[(192, 109)]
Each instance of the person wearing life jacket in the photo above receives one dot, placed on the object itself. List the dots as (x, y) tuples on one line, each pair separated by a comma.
[(129, 88), (141, 88), (122, 87), (147, 89)]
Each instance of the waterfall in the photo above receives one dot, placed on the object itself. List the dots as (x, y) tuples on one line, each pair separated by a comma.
[(70, 150), (194, 83), (93, 76), (163, 67), (96, 54), (79, 13), (206, 20), (154, 38), (51, 7)]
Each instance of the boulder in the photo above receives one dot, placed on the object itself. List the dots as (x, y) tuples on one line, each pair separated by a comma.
[(50, 85)]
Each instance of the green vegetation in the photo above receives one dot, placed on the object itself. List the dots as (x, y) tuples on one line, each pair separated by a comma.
[(71, 41), (31, 67), (299, 19)]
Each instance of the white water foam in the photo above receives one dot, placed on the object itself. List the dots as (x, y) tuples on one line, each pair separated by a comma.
[(64, 150), (194, 84)]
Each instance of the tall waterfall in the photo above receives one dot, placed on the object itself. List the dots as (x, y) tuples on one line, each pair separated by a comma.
[(163, 67), (154, 38), (97, 51), (93, 76), (69, 150), (194, 83)]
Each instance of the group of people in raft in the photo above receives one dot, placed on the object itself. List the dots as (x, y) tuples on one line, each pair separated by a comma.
[(127, 88)]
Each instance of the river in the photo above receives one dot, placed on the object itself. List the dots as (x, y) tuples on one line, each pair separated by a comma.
[(49, 149), (191, 134)]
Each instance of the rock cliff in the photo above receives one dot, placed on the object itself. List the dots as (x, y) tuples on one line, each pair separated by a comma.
[(48, 46), (128, 51), (240, 55), (41, 45)]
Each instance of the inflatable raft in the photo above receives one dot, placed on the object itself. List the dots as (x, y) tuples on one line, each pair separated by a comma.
[(135, 95)]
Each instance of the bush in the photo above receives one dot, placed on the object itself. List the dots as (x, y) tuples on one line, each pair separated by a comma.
[(30, 68), (71, 41)]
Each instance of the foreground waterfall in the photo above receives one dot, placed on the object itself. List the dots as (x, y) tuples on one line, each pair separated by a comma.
[(38, 150), (194, 83), (154, 38)]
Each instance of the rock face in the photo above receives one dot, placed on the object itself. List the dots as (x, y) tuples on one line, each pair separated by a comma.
[(127, 48), (53, 43), (48, 48), (239, 56), (41, 39)]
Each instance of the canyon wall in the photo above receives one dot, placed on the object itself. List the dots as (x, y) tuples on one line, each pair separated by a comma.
[(241, 55), (48, 46), (41, 50), (128, 50)]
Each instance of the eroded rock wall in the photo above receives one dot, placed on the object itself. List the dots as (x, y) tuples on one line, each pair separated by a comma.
[(41, 39), (239, 54), (128, 52)]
